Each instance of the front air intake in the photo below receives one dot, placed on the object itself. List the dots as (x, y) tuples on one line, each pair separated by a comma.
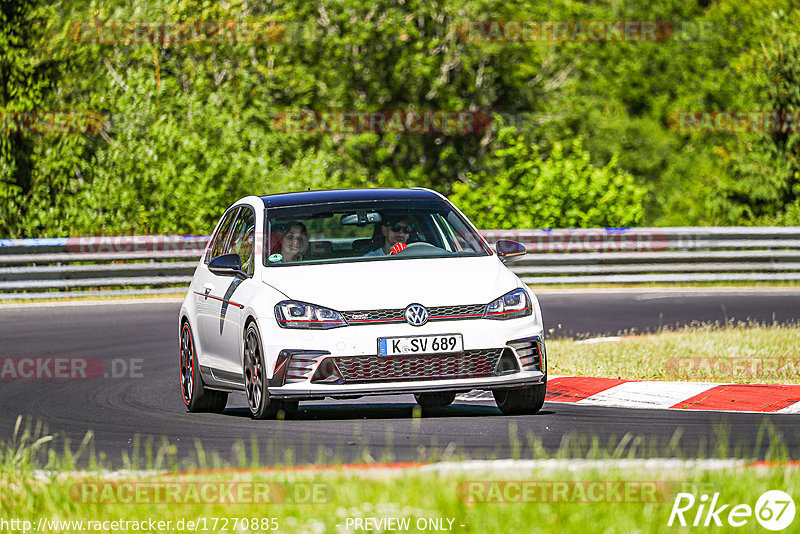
[(295, 365), (507, 363), (531, 353), (328, 373)]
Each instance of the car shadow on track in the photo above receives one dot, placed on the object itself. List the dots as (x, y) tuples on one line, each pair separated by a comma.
[(334, 412)]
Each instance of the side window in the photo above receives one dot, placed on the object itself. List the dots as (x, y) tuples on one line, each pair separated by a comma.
[(445, 233), (242, 238), (466, 239), (218, 246)]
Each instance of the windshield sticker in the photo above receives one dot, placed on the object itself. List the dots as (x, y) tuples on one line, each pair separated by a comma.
[(274, 258)]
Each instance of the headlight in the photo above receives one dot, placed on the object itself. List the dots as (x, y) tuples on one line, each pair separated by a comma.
[(510, 306), (294, 314)]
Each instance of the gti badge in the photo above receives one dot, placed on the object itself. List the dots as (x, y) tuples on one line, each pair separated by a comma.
[(416, 315)]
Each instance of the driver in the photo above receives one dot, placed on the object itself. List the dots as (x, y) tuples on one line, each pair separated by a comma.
[(394, 232)]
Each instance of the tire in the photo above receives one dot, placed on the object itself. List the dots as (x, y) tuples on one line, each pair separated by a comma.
[(520, 401), (435, 400), (255, 380), (195, 395)]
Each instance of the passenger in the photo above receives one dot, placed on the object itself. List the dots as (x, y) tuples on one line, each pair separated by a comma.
[(293, 242), (394, 232), (246, 250)]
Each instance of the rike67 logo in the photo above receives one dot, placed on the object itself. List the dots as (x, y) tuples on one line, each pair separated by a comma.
[(774, 510)]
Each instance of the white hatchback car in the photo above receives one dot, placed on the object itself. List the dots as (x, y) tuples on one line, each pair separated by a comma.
[(346, 293)]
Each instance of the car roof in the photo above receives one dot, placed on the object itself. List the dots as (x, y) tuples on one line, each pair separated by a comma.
[(346, 195)]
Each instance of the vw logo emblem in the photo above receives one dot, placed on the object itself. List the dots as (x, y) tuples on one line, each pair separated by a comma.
[(416, 315)]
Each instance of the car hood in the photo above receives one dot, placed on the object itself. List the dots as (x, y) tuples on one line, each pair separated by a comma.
[(395, 283)]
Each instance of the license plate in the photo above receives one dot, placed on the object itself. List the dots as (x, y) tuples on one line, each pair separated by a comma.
[(399, 346)]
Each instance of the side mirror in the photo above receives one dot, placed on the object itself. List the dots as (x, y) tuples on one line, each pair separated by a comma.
[(227, 265), (508, 250)]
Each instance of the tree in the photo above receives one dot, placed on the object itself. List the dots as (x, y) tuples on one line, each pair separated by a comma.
[(25, 79), (764, 178), (563, 190)]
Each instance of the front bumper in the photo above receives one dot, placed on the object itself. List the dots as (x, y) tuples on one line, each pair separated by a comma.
[(313, 391), (295, 356)]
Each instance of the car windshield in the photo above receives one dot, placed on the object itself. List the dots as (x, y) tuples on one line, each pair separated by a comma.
[(367, 231)]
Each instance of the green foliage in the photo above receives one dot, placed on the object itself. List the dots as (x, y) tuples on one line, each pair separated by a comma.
[(28, 72), (764, 178), (789, 217), (191, 127), (564, 190)]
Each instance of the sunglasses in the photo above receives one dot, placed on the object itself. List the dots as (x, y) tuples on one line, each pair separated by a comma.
[(400, 228)]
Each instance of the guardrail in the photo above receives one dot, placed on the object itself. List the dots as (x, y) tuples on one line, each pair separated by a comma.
[(34, 268), (663, 255)]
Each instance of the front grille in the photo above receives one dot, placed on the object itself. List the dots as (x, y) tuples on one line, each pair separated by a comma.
[(435, 313), (374, 316), (474, 363), (468, 311)]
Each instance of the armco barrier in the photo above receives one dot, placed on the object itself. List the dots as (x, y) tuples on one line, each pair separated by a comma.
[(32, 268), (642, 255), (164, 264)]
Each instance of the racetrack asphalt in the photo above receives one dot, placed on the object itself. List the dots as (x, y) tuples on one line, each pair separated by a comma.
[(147, 403)]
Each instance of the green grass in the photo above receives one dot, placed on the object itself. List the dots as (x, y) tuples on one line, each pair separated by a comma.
[(343, 493), (742, 353), (415, 496)]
